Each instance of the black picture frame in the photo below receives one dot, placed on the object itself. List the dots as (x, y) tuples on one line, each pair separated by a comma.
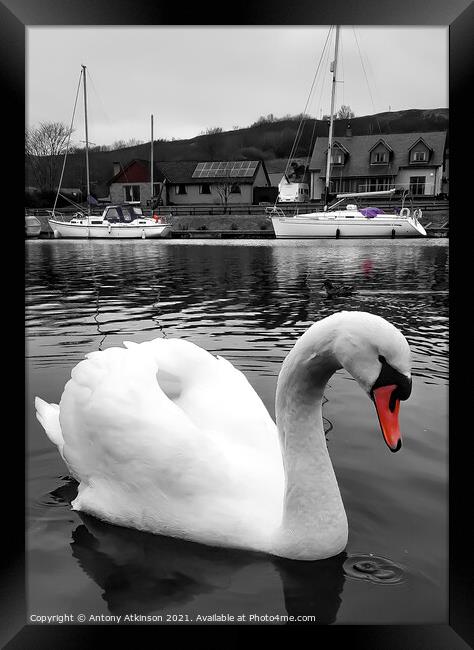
[(16, 16)]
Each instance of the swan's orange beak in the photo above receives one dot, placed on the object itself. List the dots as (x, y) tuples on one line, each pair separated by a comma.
[(387, 411)]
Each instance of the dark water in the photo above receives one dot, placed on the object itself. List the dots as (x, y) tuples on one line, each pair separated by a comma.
[(247, 301)]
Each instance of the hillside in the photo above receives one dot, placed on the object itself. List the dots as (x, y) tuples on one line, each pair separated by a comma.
[(267, 141)]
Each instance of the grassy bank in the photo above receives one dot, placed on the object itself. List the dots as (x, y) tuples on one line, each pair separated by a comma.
[(221, 222)]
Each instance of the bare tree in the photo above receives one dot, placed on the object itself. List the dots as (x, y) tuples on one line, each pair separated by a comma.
[(265, 119), (224, 188), (123, 144), (344, 113), (44, 147), (213, 130)]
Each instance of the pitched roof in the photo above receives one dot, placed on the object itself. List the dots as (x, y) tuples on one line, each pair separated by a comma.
[(144, 165), (275, 178), (383, 142), (181, 171), (359, 146)]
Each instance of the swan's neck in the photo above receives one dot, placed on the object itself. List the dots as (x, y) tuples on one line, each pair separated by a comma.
[(314, 523)]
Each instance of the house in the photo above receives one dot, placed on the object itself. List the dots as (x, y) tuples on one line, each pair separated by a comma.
[(190, 182), (132, 182), (366, 163), (226, 182)]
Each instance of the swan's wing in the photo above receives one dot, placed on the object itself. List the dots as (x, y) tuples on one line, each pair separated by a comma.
[(140, 456), (214, 394), (115, 411)]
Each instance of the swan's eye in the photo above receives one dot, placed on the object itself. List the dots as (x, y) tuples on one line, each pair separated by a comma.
[(388, 376)]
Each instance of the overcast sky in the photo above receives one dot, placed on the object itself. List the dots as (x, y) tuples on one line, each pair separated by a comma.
[(193, 78)]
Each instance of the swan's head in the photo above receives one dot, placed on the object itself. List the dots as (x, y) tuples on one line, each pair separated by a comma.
[(378, 356)]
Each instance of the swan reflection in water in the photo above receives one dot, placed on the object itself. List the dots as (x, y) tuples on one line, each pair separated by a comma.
[(151, 574)]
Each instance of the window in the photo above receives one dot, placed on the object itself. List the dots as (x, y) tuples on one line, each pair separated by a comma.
[(205, 188), (112, 215), (181, 189), (127, 214), (156, 189), (337, 157), (375, 184), (383, 183), (417, 184), (235, 189), (419, 156), (379, 157), (132, 192)]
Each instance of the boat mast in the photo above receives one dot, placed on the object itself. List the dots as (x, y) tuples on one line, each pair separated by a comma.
[(87, 140), (331, 118), (151, 166)]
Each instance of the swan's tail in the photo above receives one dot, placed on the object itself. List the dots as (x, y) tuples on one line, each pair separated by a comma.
[(48, 416)]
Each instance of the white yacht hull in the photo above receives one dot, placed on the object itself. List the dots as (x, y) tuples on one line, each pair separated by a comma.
[(327, 226), (108, 231)]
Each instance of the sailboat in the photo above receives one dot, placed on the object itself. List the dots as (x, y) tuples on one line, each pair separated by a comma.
[(125, 221), (343, 218)]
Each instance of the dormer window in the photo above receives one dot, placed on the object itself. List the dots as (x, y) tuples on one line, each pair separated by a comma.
[(420, 152), (337, 157), (379, 157), (380, 153), (339, 154)]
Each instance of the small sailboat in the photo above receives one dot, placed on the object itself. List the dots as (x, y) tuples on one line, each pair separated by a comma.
[(125, 221), (116, 222), (344, 218)]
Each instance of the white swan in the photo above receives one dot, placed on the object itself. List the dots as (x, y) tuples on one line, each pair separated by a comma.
[(167, 438)]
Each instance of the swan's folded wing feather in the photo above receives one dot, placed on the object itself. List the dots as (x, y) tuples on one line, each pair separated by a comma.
[(113, 411), (214, 394), (118, 424), (143, 460)]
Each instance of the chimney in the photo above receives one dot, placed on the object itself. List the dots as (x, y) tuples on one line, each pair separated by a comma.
[(117, 168), (349, 130)]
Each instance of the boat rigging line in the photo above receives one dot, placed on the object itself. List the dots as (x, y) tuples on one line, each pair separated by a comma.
[(318, 105), (96, 93), (299, 131), (68, 141), (367, 80)]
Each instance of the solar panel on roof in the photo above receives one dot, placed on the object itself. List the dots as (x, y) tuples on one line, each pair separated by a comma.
[(241, 168)]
